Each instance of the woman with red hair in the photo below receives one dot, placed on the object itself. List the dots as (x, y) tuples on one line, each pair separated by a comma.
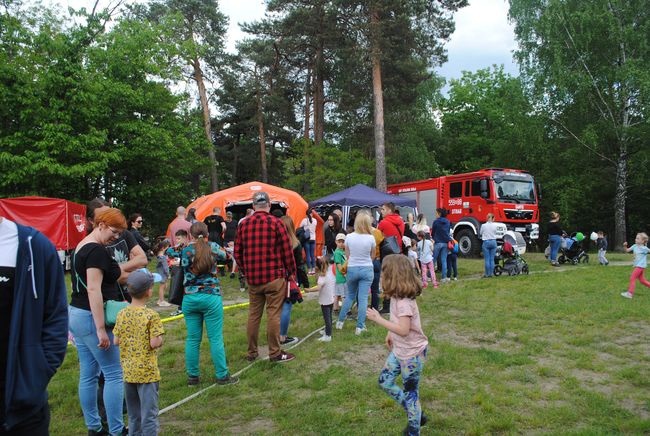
[(94, 281)]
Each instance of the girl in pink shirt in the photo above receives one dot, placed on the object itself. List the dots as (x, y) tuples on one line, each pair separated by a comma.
[(405, 339)]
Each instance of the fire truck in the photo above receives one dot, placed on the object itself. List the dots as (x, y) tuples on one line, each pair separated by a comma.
[(511, 195)]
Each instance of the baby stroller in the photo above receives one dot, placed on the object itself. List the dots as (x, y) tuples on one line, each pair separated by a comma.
[(508, 258), (571, 250)]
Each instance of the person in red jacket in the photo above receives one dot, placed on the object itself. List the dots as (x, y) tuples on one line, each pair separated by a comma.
[(391, 224)]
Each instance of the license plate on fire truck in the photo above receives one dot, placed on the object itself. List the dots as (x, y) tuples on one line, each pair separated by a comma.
[(520, 229)]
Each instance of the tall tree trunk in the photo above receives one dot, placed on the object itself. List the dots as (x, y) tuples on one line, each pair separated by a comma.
[(307, 103), (207, 127), (319, 96), (378, 98), (235, 160), (621, 196), (260, 128)]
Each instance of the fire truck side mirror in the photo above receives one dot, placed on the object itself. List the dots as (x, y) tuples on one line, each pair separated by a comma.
[(484, 188)]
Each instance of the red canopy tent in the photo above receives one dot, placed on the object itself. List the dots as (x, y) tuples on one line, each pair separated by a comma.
[(62, 221)]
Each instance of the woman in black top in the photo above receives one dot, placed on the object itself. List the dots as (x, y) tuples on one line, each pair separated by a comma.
[(554, 236), (94, 281), (332, 229)]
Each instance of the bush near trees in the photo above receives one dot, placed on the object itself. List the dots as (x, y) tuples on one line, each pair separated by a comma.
[(141, 104)]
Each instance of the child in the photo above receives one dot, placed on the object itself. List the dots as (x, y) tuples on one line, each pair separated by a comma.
[(138, 332), (181, 237), (425, 254), (339, 260), (640, 250), (405, 339), (326, 288), (413, 257), (601, 245), (452, 261), (162, 268)]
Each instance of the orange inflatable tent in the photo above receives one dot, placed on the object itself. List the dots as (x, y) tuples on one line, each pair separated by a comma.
[(237, 199)]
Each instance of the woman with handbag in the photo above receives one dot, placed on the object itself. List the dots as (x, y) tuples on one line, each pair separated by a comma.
[(360, 252), (94, 282), (301, 280), (308, 224), (202, 302)]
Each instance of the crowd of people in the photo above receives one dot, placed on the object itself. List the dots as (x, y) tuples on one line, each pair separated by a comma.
[(117, 342)]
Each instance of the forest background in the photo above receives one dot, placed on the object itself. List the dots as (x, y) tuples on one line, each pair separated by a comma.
[(320, 96)]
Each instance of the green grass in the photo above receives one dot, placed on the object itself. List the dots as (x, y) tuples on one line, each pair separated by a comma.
[(556, 352)]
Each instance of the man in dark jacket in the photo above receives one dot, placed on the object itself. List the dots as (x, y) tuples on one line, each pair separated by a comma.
[(33, 327)]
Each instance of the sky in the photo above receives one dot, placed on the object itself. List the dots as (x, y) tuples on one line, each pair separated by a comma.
[(483, 35)]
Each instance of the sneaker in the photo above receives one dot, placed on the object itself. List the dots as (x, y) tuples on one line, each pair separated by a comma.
[(232, 275), (455, 279), (193, 381), (100, 432), (282, 357), (423, 419), (242, 289), (163, 304), (176, 312), (289, 340), (325, 338), (627, 294), (358, 330), (251, 358), (435, 286), (227, 380), (339, 325)]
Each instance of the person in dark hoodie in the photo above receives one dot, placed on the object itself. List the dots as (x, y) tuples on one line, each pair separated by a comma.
[(33, 327), (391, 224)]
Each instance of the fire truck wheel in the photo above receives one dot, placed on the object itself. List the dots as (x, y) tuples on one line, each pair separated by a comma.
[(468, 243)]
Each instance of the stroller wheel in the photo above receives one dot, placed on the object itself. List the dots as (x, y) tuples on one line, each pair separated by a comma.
[(498, 270), (585, 259), (525, 270), (561, 258), (575, 261)]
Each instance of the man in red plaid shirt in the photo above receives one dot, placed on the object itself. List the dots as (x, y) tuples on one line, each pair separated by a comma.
[(264, 254)]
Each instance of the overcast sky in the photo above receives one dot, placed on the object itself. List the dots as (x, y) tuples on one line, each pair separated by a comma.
[(483, 36)]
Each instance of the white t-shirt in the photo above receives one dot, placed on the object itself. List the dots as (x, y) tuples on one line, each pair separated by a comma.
[(8, 243), (413, 258), (326, 287), (488, 231), (360, 247), (311, 226)]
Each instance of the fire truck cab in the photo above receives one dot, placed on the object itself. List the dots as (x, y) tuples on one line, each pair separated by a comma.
[(511, 195)]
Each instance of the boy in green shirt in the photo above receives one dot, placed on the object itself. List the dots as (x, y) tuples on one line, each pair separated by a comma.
[(138, 332), (339, 261)]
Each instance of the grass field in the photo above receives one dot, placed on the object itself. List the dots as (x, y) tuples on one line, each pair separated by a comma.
[(556, 352)]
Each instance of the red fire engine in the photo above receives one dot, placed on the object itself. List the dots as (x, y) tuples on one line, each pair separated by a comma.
[(511, 195)]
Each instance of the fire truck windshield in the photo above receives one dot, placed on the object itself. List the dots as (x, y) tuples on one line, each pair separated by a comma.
[(515, 191)]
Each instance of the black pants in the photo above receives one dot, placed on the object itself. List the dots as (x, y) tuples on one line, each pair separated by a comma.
[(327, 317), (374, 287), (37, 425)]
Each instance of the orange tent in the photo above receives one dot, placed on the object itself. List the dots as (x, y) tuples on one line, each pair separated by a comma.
[(237, 199)]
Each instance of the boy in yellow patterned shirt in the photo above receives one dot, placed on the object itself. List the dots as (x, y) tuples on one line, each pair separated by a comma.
[(138, 332)]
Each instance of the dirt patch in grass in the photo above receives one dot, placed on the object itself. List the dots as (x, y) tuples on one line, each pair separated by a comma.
[(493, 340), (256, 426), (365, 360)]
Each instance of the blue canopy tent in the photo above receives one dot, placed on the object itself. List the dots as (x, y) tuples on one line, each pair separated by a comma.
[(360, 196)]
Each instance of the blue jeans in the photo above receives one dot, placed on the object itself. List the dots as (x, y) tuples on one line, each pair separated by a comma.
[(440, 250), (555, 241), (489, 251), (285, 318), (410, 369), (92, 360), (309, 247), (359, 279), (452, 265), (142, 405), (197, 308)]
